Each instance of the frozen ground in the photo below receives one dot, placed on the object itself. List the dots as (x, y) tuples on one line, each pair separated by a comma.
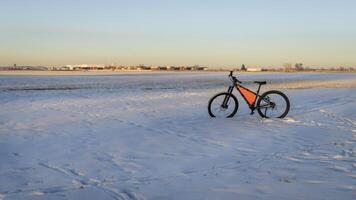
[(150, 137)]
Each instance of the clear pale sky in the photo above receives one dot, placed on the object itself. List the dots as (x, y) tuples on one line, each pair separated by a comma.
[(181, 32)]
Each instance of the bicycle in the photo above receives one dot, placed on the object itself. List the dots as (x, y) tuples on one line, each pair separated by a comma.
[(225, 104)]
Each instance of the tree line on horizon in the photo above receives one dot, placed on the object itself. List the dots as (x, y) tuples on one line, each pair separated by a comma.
[(286, 67), (298, 67)]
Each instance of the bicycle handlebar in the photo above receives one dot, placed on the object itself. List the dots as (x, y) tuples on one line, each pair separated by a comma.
[(233, 77)]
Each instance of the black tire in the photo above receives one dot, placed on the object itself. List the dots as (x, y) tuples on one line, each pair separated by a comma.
[(214, 101), (263, 101)]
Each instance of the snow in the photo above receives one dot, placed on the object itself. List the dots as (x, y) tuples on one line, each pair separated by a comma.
[(149, 136)]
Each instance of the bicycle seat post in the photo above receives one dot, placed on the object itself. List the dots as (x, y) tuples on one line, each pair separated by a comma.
[(259, 87)]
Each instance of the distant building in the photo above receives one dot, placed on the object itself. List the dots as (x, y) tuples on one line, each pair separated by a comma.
[(68, 67), (255, 69), (173, 68), (154, 67), (143, 67), (83, 67), (201, 68), (196, 68)]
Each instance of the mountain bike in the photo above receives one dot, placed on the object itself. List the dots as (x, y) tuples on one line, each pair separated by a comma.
[(271, 104)]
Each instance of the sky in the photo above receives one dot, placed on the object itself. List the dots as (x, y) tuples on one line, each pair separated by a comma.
[(182, 32)]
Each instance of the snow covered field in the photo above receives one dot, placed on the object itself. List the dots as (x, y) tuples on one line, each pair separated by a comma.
[(149, 136)]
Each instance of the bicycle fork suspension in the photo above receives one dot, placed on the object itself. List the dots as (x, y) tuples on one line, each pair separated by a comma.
[(227, 97)]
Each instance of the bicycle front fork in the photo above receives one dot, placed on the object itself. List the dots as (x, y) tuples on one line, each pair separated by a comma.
[(227, 97)]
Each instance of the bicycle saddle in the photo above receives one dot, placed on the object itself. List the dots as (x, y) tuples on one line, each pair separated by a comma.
[(260, 82)]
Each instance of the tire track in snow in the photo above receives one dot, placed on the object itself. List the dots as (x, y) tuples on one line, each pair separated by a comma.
[(85, 181)]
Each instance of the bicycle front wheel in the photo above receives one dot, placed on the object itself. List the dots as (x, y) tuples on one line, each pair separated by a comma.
[(273, 104), (217, 108)]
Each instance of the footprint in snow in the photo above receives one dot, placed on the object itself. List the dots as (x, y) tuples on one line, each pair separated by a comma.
[(36, 193), (339, 169), (348, 187), (290, 120), (313, 181)]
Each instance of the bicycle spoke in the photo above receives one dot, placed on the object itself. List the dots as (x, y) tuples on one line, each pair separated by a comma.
[(218, 108), (277, 104)]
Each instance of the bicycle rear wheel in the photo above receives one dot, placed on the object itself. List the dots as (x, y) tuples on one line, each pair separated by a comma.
[(217, 109), (273, 104)]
